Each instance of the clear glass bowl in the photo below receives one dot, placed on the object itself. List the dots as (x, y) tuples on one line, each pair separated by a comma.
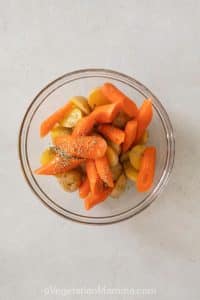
[(47, 189)]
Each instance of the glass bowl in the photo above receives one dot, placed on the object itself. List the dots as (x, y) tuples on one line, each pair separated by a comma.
[(47, 189)]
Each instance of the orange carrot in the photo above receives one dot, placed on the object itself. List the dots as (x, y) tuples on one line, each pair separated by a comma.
[(115, 95), (147, 170), (103, 169), (96, 184), (115, 134), (106, 113), (59, 165), (90, 147), (130, 135), (84, 126), (84, 188), (57, 116), (93, 199), (144, 118)]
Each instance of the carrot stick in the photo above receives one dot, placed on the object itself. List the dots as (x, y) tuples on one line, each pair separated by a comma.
[(106, 113), (84, 126), (103, 169), (90, 147), (93, 199), (59, 165), (49, 123), (95, 182), (144, 118), (84, 188), (130, 135), (115, 95), (101, 114), (115, 134), (147, 170)]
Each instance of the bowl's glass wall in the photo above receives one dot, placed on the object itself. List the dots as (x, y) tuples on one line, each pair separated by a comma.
[(47, 188)]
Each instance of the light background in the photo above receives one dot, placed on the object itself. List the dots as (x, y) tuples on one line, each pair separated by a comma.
[(156, 42)]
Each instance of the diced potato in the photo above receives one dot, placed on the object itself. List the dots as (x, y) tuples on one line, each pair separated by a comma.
[(116, 171), (144, 138), (58, 131), (121, 120), (46, 156), (81, 103), (135, 155), (120, 186), (70, 181), (124, 156), (96, 98), (72, 118), (130, 172), (112, 156), (115, 147)]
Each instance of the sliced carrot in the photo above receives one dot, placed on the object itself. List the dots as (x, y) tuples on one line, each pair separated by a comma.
[(115, 95), (104, 170), (84, 188), (84, 126), (59, 165), (95, 182), (144, 118), (57, 116), (106, 113), (93, 199), (130, 135), (147, 170), (90, 147), (115, 134)]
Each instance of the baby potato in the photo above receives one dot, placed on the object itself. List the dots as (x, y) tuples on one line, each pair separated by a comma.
[(70, 181), (112, 156), (130, 172), (96, 98), (119, 186), (72, 118), (81, 103), (135, 156), (124, 157), (58, 131), (116, 171), (115, 147), (144, 138), (121, 120), (46, 156)]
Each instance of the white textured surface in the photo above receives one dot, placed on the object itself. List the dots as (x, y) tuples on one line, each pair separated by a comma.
[(156, 42)]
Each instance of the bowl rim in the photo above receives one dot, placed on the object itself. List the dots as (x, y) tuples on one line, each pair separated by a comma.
[(99, 72)]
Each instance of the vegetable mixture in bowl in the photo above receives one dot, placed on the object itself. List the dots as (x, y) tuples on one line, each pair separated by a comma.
[(98, 143), (106, 154)]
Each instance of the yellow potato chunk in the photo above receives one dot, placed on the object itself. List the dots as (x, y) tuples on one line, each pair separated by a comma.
[(116, 171), (144, 138), (135, 155), (70, 181), (46, 156), (96, 98), (58, 131), (115, 147), (112, 156), (130, 172), (72, 118), (119, 187), (81, 103)]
